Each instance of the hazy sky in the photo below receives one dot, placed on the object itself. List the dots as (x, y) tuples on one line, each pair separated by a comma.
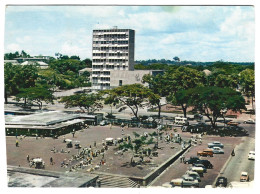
[(198, 33)]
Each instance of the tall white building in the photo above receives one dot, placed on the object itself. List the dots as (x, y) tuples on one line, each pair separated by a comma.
[(112, 49)]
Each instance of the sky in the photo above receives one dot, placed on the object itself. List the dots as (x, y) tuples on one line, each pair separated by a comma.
[(197, 33)]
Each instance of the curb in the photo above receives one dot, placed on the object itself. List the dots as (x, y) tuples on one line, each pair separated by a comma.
[(223, 169)]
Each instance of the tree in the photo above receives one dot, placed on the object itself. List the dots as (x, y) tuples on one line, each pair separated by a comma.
[(133, 96), (89, 102), (17, 77), (87, 62), (37, 94), (157, 85), (75, 57), (247, 82), (177, 59), (212, 101), (180, 79)]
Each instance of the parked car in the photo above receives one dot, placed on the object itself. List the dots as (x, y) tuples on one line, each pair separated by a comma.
[(215, 144), (206, 163), (251, 155), (199, 170), (182, 183), (244, 177), (192, 160), (233, 123), (200, 165), (193, 174), (217, 150), (250, 121), (221, 182), (206, 152), (103, 123)]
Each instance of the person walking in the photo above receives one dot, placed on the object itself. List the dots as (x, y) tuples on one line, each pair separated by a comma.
[(95, 144), (51, 161), (28, 158), (17, 143)]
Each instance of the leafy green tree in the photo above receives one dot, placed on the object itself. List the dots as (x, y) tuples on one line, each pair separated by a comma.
[(182, 79), (87, 62), (75, 57), (212, 101), (89, 102), (230, 81), (65, 66), (17, 77), (133, 96), (37, 94), (158, 86), (247, 82)]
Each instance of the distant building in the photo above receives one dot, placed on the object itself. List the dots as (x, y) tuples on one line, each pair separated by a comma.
[(112, 49), (37, 60)]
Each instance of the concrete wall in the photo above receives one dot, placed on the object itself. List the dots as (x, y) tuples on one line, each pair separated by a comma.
[(127, 77)]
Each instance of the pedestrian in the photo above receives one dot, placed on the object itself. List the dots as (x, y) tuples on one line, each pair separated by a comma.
[(73, 132), (115, 142), (122, 130), (95, 144), (51, 161), (28, 158), (17, 143)]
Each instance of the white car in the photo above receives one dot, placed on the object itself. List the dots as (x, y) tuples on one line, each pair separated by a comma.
[(250, 121), (215, 144), (251, 155), (217, 150)]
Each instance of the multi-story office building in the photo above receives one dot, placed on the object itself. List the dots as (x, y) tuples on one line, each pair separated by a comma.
[(112, 49)]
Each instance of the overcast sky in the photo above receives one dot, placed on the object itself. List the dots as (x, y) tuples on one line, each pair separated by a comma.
[(197, 33)]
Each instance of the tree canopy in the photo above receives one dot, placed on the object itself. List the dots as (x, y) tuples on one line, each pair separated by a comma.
[(134, 96), (89, 102), (37, 94), (212, 101)]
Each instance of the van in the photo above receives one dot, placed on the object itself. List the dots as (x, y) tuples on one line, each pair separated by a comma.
[(180, 120)]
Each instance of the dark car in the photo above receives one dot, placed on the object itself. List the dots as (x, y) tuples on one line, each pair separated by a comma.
[(192, 160), (221, 182), (206, 163)]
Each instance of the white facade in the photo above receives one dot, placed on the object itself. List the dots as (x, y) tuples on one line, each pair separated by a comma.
[(112, 49)]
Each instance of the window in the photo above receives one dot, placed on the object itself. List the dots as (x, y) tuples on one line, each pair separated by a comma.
[(120, 82)]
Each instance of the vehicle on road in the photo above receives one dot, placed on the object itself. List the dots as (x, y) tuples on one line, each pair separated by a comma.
[(244, 177), (250, 121), (215, 144), (183, 183), (109, 141), (200, 165), (180, 120), (206, 163), (103, 123), (192, 160), (251, 155), (221, 182), (206, 152), (193, 174), (233, 123), (199, 170), (217, 150)]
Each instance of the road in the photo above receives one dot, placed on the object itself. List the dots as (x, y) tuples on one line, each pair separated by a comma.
[(240, 162)]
